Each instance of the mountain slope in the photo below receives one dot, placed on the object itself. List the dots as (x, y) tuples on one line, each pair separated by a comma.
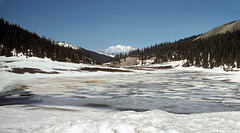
[(15, 41), (228, 27), (107, 54), (219, 48), (98, 57)]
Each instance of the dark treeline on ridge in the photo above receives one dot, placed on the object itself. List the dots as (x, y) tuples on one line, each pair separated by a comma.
[(215, 51), (14, 39)]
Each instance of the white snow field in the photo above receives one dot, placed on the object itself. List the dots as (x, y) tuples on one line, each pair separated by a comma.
[(45, 96), (29, 119)]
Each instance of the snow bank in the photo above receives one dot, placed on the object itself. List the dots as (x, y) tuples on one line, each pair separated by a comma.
[(18, 119), (231, 76), (152, 122)]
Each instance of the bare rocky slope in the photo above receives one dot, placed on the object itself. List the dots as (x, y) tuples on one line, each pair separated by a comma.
[(228, 27)]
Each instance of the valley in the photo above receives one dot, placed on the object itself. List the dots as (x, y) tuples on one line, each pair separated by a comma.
[(119, 66), (73, 99)]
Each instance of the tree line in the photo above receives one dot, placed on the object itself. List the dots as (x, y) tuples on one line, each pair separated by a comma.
[(14, 39), (215, 51)]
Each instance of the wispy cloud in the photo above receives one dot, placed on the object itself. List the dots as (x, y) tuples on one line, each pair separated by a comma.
[(119, 49)]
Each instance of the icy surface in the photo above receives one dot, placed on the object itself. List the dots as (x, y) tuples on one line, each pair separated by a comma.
[(173, 91), (147, 100)]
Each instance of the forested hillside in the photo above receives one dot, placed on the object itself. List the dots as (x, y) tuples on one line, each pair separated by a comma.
[(215, 51), (14, 40)]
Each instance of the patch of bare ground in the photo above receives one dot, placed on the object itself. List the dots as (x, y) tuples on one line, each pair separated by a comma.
[(95, 69), (9, 61), (218, 79), (3, 66), (94, 81), (148, 68), (138, 68), (66, 69), (230, 70), (225, 80), (161, 67), (57, 109), (30, 70), (131, 109)]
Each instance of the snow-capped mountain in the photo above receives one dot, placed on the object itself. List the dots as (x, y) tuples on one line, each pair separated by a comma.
[(228, 27)]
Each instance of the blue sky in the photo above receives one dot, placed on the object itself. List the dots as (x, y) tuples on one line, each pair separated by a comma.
[(99, 24)]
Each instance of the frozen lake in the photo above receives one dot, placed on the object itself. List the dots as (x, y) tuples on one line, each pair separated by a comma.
[(174, 91), (148, 100)]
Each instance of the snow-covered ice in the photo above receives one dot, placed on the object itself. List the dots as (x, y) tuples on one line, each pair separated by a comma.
[(146, 101)]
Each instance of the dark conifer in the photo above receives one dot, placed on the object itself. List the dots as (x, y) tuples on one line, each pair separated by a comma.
[(14, 38)]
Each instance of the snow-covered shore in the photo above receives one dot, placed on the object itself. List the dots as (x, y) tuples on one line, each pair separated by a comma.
[(17, 119), (231, 76), (63, 118), (64, 69)]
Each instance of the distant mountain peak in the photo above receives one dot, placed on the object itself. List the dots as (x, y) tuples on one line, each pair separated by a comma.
[(228, 27)]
